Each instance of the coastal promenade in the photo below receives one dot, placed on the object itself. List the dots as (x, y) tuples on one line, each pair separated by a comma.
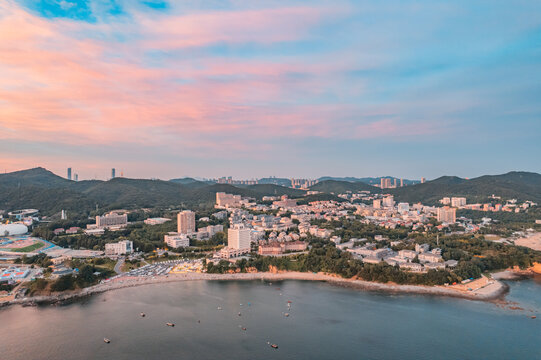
[(490, 290)]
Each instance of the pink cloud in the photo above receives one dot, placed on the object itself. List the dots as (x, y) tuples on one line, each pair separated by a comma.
[(62, 83)]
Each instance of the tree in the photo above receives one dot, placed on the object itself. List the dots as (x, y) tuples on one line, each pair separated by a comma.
[(63, 283)]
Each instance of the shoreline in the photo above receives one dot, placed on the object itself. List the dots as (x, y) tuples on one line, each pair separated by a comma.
[(492, 290)]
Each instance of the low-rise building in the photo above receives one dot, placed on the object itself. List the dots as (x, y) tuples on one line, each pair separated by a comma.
[(60, 259), (112, 220), (119, 248), (276, 248), (228, 253), (176, 240), (434, 266), (409, 266), (407, 254), (430, 258)]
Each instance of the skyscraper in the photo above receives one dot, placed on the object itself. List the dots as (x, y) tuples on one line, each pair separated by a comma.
[(69, 173), (385, 183), (76, 177), (113, 173), (186, 222), (401, 182), (423, 180)]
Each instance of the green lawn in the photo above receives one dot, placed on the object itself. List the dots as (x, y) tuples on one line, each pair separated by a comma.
[(30, 247)]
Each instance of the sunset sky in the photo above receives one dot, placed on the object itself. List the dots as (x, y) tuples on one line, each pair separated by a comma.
[(256, 88)]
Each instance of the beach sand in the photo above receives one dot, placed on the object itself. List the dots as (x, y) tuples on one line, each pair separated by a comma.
[(489, 290), (532, 241)]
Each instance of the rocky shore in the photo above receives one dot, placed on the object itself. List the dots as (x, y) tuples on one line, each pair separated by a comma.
[(493, 290)]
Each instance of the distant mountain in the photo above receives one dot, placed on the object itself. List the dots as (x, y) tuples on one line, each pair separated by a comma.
[(340, 187), (517, 185), (191, 182), (275, 181), (41, 189), (320, 197), (33, 177), (275, 190), (370, 180)]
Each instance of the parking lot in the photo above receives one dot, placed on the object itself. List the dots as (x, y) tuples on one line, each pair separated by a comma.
[(158, 269)]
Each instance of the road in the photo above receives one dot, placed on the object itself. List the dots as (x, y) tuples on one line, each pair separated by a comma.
[(118, 266)]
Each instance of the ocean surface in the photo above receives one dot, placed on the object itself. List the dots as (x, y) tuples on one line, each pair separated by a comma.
[(325, 322)]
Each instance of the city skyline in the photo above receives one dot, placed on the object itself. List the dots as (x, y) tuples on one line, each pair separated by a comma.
[(342, 88)]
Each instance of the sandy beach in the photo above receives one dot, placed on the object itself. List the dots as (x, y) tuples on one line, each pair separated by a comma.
[(532, 241), (484, 290)]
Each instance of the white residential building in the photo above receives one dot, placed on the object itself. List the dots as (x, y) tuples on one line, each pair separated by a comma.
[(238, 237), (175, 240), (119, 248), (403, 207)]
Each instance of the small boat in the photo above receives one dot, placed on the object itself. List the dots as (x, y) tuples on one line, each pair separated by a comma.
[(244, 328), (274, 346), (143, 315), (286, 314), (240, 314), (533, 317), (170, 324), (289, 301), (199, 321), (107, 341), (220, 308)]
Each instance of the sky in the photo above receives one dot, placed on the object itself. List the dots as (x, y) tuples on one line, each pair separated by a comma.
[(249, 89)]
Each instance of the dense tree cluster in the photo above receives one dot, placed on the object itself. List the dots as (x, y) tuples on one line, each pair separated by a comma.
[(475, 256)]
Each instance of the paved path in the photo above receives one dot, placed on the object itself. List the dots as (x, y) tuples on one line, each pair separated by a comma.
[(118, 266)]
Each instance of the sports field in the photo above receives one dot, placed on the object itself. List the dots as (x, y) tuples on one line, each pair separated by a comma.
[(20, 244)]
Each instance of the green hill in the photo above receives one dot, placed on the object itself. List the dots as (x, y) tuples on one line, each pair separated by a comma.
[(514, 185), (33, 177), (41, 189), (275, 190)]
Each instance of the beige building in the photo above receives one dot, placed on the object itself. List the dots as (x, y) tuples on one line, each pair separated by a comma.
[(276, 248), (227, 200), (186, 222), (111, 220), (285, 202), (447, 214), (458, 201), (385, 183)]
